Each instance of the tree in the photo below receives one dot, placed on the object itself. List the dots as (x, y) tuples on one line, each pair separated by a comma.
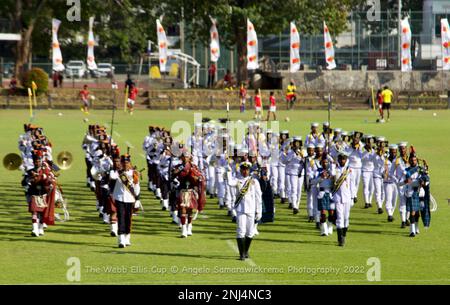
[(124, 24)]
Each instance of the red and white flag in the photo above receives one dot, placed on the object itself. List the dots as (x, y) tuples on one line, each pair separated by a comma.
[(406, 46), (91, 43), (162, 45), (252, 47), (445, 34), (57, 64), (329, 49), (295, 49), (214, 45)]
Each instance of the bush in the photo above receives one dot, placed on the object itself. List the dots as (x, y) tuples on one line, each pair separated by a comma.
[(39, 76)]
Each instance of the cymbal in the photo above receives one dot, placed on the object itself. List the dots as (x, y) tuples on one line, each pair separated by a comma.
[(12, 161), (64, 160)]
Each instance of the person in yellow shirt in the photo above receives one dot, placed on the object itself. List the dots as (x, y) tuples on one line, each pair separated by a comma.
[(291, 94), (387, 96)]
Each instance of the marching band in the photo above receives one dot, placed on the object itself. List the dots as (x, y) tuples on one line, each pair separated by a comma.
[(245, 178)]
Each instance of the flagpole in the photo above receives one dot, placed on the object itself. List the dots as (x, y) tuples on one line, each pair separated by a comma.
[(31, 103)]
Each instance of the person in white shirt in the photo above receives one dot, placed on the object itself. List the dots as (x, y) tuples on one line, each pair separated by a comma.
[(282, 182), (355, 151), (393, 173), (293, 159), (126, 195), (248, 207), (367, 160), (342, 196), (378, 170), (314, 137)]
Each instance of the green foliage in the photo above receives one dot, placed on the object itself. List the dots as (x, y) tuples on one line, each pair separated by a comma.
[(39, 76)]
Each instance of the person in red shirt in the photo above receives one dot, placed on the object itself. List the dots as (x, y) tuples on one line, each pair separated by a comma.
[(273, 107), (242, 97), (258, 105), (84, 95), (228, 80), (380, 103), (132, 94), (211, 74)]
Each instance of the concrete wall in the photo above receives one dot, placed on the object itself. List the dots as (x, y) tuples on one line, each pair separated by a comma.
[(364, 80)]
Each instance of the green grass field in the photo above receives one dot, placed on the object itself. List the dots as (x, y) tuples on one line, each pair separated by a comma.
[(156, 246)]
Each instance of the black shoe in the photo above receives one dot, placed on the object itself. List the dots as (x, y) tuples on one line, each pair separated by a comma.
[(100, 215), (412, 235), (380, 211), (370, 205), (233, 220), (248, 241), (366, 206), (344, 232), (34, 234), (318, 225), (121, 246), (355, 200), (283, 200), (342, 241), (221, 207), (295, 211), (310, 219), (403, 225), (390, 219), (408, 223), (339, 235), (323, 234), (241, 247), (229, 213), (163, 208), (211, 196), (290, 206)]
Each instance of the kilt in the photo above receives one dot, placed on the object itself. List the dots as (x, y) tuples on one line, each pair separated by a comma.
[(37, 204), (413, 203), (325, 203), (187, 199)]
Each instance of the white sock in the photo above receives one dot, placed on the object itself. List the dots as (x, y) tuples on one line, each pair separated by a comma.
[(330, 228), (412, 228), (403, 215)]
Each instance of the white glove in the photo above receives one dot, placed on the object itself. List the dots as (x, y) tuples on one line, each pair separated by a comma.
[(137, 204), (258, 217)]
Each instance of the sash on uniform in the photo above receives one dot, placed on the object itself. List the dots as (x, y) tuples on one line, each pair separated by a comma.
[(243, 192)]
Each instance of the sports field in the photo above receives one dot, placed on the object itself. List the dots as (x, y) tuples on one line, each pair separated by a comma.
[(290, 246)]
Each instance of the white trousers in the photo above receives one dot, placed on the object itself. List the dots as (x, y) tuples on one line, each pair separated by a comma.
[(310, 203), (342, 214), (391, 192), (301, 179), (368, 186), (212, 179), (315, 193), (245, 225), (355, 177), (379, 191), (293, 190), (281, 181), (402, 202), (274, 178), (287, 187)]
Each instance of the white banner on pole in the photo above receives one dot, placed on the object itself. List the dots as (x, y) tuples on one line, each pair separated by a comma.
[(162, 45), (406, 46), (91, 43), (295, 49), (214, 45), (252, 47), (329, 49), (57, 64), (445, 34)]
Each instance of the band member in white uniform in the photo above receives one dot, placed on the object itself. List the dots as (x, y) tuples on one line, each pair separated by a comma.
[(367, 160), (248, 207)]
